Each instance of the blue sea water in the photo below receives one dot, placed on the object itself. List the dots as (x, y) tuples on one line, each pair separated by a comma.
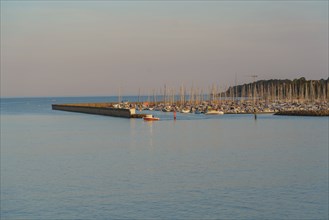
[(63, 165)]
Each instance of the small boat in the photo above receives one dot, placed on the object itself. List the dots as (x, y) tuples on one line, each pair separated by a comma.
[(185, 110), (214, 112), (166, 109), (150, 118)]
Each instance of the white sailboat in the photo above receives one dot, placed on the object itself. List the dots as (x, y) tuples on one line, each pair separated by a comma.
[(214, 112)]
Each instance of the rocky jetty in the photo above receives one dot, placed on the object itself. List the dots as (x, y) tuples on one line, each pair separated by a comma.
[(304, 113)]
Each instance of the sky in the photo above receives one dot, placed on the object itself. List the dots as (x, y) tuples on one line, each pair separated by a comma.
[(91, 48)]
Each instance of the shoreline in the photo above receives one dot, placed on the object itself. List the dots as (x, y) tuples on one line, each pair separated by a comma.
[(318, 113)]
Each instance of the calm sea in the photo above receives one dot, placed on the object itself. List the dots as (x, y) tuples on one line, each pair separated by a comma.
[(62, 165)]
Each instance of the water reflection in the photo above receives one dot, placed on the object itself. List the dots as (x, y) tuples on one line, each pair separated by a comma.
[(184, 169), (149, 125)]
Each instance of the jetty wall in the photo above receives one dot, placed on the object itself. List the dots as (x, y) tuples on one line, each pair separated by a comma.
[(304, 113), (94, 108)]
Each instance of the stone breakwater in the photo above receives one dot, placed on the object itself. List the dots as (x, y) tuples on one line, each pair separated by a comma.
[(97, 109), (304, 113)]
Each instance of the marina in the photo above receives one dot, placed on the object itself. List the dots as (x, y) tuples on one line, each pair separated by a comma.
[(280, 97), (128, 110)]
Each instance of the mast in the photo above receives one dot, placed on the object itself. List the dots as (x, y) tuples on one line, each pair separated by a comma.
[(235, 88), (164, 94), (139, 95), (119, 96)]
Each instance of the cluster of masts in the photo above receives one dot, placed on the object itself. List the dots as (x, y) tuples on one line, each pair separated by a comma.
[(260, 96), (270, 91)]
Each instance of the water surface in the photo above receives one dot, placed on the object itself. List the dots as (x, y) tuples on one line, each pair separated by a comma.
[(62, 165)]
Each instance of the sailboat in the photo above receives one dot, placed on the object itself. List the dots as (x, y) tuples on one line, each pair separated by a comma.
[(214, 112)]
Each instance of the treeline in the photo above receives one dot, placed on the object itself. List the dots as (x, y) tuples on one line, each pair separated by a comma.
[(301, 90)]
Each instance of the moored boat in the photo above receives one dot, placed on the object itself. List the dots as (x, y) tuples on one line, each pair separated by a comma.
[(150, 118), (214, 112), (167, 109), (185, 110)]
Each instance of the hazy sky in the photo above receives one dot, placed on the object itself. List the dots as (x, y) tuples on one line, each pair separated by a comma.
[(60, 48)]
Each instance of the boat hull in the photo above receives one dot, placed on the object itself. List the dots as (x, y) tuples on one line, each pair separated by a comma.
[(151, 119), (214, 113)]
